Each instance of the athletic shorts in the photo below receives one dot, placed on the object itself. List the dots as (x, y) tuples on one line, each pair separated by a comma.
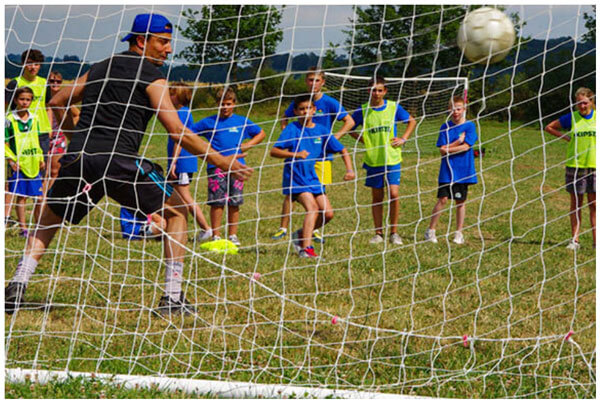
[(131, 181), (45, 145), (454, 191), (224, 189), (323, 170), (22, 185), (379, 177), (295, 196), (183, 179), (58, 144), (580, 180)]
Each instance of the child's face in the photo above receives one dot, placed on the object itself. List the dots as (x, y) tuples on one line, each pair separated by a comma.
[(55, 83), (31, 68), (304, 110), (378, 92), (314, 82), (457, 110), (23, 101), (226, 108), (584, 104)]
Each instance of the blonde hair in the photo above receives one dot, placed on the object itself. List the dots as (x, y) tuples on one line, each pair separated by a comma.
[(456, 99), (226, 95), (586, 92), (315, 71), (183, 92)]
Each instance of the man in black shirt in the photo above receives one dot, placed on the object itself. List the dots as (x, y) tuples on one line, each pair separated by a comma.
[(119, 96)]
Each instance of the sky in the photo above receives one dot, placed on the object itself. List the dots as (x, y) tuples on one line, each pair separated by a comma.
[(93, 32)]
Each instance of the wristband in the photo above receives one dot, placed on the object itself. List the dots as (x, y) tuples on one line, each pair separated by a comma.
[(349, 171)]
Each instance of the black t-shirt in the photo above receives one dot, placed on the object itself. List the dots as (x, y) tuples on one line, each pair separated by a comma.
[(115, 107)]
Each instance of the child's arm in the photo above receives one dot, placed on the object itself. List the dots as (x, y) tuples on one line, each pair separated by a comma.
[(281, 153), (253, 141), (453, 149), (348, 125), (410, 127), (554, 129), (348, 162)]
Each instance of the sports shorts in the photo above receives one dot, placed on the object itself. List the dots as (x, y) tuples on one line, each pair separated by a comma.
[(323, 170), (453, 191), (22, 185), (58, 144), (580, 180), (379, 177), (224, 189), (131, 181)]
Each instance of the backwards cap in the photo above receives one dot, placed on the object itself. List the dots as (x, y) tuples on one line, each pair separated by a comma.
[(149, 23)]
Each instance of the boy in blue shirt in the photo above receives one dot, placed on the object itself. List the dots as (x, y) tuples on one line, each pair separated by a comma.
[(383, 154), (186, 164), (302, 143), (328, 110), (226, 133), (457, 169)]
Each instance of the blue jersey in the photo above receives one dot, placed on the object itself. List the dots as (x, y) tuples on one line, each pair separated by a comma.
[(299, 175), (130, 224), (187, 162), (566, 120), (226, 135), (328, 110), (460, 167), (401, 115)]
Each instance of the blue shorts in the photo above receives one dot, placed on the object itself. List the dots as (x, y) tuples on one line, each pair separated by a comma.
[(379, 177), (22, 185)]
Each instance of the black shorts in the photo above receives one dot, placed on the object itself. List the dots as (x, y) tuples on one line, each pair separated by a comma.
[(454, 191), (131, 181), (295, 196)]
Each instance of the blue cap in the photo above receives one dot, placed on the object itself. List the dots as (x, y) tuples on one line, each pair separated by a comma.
[(149, 23)]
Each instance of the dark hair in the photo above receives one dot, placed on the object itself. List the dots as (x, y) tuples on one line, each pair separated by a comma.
[(377, 80), (22, 90), (226, 94), (32, 54), (301, 99), (316, 71)]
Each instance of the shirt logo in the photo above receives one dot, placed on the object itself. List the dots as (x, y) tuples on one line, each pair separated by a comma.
[(317, 140), (233, 130), (380, 129)]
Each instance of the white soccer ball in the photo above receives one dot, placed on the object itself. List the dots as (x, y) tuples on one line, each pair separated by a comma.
[(486, 34)]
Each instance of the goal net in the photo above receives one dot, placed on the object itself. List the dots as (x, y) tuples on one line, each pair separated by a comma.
[(509, 313)]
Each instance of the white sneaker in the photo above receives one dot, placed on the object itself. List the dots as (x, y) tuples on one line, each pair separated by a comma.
[(459, 239), (296, 240), (234, 240), (204, 235), (216, 238), (376, 239), (573, 245), (430, 236), (395, 239)]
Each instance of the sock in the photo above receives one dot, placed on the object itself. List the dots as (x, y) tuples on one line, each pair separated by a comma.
[(174, 277), (25, 270)]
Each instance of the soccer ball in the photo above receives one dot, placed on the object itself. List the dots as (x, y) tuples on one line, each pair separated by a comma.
[(486, 35)]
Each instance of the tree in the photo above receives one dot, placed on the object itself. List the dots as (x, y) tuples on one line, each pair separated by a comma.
[(590, 24), (235, 35)]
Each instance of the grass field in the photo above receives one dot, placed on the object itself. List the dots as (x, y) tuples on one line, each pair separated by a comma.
[(403, 310)]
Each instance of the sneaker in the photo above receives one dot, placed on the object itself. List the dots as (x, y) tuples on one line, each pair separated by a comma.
[(282, 233), (167, 307), (308, 252), (430, 236), (459, 239), (24, 233), (317, 237), (234, 240), (204, 235), (216, 238), (296, 240), (573, 245), (376, 239), (13, 297), (395, 239), (11, 223)]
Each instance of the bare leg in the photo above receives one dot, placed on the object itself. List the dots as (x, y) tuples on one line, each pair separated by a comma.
[(592, 203), (233, 218), (437, 212), (575, 214), (42, 236), (325, 211), (394, 193), (8, 203), (216, 215), (460, 215), (21, 212), (377, 209), (312, 211), (192, 206), (175, 213), (286, 210)]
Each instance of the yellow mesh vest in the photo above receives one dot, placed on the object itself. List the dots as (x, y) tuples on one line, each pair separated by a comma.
[(29, 153), (378, 132), (581, 152)]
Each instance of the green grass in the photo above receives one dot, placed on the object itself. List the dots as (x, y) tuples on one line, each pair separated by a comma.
[(403, 310)]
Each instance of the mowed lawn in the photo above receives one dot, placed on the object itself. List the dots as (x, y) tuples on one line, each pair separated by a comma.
[(401, 312)]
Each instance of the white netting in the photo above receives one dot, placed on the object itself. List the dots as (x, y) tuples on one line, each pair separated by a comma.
[(509, 314)]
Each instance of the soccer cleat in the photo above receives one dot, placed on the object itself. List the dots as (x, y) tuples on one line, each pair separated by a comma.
[(430, 236), (459, 239), (317, 237), (282, 233), (395, 239), (13, 297), (204, 235), (167, 306), (308, 252), (296, 240), (234, 240), (573, 245), (376, 239)]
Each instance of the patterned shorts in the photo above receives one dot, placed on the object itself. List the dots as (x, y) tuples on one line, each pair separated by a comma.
[(58, 144), (224, 189), (580, 180)]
